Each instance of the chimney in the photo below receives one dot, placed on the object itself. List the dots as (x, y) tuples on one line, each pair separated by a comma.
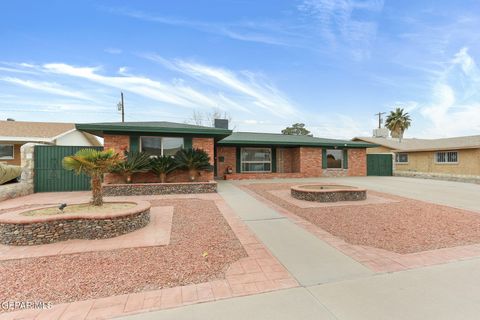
[(221, 123)]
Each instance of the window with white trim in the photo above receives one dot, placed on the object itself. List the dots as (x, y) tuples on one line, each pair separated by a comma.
[(256, 160), (6, 152), (161, 146), (401, 157), (446, 157)]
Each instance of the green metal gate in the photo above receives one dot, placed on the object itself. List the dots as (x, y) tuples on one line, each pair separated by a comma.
[(50, 175), (379, 165)]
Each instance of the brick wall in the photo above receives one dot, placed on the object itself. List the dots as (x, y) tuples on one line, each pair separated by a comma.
[(120, 143), (311, 161), (116, 142), (357, 162), (229, 159), (302, 162), (208, 145)]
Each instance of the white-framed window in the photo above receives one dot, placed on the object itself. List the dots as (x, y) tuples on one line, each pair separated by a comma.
[(401, 157), (161, 146), (7, 152), (446, 157), (334, 159), (256, 160)]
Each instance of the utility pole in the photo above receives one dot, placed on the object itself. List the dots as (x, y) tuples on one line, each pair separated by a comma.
[(379, 119), (121, 106)]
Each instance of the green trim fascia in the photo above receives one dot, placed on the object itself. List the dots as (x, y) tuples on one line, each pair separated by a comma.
[(134, 143), (238, 165), (187, 142), (116, 129), (293, 144), (324, 158)]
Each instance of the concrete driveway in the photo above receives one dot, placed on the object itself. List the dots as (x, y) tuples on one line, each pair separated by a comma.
[(334, 286)]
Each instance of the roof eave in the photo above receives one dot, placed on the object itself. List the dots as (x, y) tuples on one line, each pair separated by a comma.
[(290, 143), (100, 129)]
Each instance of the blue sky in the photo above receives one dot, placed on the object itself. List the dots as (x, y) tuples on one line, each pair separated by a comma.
[(331, 64)]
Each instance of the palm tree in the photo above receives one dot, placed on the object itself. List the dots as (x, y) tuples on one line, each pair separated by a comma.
[(397, 122), (134, 162), (93, 163), (193, 160), (162, 166)]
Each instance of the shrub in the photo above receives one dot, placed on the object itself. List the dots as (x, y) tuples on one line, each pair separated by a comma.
[(193, 161), (134, 162), (162, 166)]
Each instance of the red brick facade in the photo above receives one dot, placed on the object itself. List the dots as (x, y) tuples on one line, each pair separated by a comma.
[(301, 162), (207, 144), (116, 142), (120, 143)]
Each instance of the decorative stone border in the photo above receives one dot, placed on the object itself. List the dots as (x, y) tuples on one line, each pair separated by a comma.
[(19, 230), (142, 189), (342, 193)]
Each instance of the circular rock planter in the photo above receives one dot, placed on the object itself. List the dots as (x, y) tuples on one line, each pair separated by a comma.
[(25, 227), (327, 193)]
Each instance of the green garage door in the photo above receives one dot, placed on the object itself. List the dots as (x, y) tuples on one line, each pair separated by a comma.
[(49, 173), (379, 165)]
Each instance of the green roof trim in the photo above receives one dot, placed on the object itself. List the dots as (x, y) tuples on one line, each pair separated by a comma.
[(153, 127), (273, 139)]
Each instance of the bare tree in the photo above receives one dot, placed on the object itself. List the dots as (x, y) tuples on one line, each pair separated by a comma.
[(208, 118)]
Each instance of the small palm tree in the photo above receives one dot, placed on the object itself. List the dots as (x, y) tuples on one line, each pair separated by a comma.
[(162, 166), (134, 162), (193, 160), (397, 122), (94, 164)]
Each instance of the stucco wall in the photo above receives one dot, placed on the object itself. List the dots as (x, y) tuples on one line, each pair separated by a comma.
[(468, 163), (75, 138)]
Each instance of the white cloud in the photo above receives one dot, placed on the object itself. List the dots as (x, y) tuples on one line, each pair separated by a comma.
[(251, 86), (337, 24), (454, 108), (48, 87)]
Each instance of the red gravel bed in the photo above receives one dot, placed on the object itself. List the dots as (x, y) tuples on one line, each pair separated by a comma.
[(197, 227), (404, 226)]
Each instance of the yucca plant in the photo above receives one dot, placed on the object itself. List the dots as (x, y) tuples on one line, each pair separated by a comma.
[(134, 162), (193, 160), (162, 166), (95, 164)]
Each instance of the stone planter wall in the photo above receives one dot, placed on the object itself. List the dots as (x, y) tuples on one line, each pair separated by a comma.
[(141, 189), (438, 176), (20, 230), (332, 195)]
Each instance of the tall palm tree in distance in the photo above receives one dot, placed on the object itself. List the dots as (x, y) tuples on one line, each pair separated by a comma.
[(397, 122)]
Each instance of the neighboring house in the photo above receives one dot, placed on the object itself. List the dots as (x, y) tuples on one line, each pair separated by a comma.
[(457, 156), (245, 154), (13, 134)]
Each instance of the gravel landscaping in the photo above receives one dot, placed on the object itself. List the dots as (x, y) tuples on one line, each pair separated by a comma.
[(403, 226), (80, 208), (201, 248)]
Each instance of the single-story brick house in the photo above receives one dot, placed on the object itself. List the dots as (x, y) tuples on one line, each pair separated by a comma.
[(236, 155)]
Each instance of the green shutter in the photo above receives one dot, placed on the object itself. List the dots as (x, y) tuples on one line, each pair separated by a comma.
[(345, 158), (274, 159), (239, 163), (324, 158), (187, 142), (134, 143)]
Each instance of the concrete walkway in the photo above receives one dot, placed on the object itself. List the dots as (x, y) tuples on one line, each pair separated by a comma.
[(336, 287), (310, 260)]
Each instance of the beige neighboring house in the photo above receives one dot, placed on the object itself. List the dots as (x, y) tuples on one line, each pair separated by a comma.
[(13, 134), (442, 158)]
